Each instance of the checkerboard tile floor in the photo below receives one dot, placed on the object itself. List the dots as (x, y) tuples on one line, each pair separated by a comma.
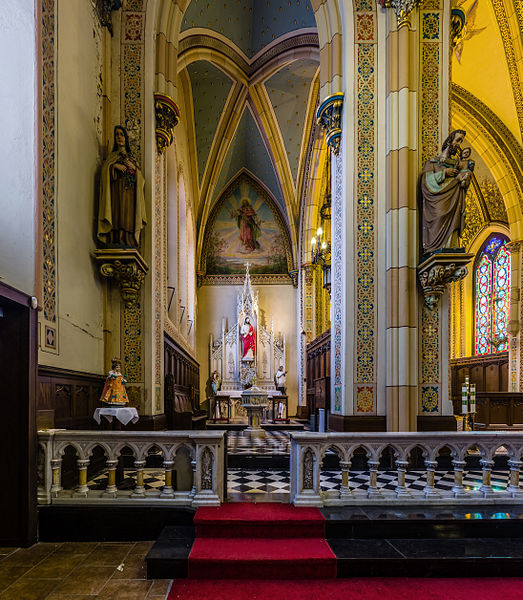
[(244, 442), (269, 481), (272, 481)]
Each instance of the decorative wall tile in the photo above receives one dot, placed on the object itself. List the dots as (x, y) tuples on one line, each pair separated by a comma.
[(429, 399), (50, 337), (338, 279), (430, 350), (364, 399), (132, 343), (365, 364), (48, 160)]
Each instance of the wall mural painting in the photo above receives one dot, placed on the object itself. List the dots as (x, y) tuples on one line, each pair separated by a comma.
[(246, 229)]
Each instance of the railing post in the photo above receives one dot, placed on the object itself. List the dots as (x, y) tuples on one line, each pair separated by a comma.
[(345, 488), (401, 488), (373, 489), (168, 491), (139, 489), (457, 488), (207, 479), (82, 488), (486, 488), (56, 466), (513, 487), (429, 489), (111, 488)]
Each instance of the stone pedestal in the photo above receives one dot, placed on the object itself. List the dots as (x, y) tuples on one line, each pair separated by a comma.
[(254, 401)]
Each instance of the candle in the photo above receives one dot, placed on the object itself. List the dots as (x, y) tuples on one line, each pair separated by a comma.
[(464, 399), (473, 398)]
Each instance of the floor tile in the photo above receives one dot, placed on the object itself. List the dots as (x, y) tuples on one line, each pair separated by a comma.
[(85, 579), (29, 589), (159, 587), (125, 589), (134, 567), (141, 548), (55, 566), (108, 555), (29, 556)]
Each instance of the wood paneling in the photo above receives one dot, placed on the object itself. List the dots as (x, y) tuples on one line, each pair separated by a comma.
[(318, 374), (72, 397), (182, 388)]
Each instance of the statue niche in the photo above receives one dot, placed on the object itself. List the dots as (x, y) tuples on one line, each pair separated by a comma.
[(121, 210), (444, 183)]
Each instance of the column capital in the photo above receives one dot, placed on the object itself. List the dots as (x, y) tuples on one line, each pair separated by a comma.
[(402, 9), (329, 117), (167, 117)]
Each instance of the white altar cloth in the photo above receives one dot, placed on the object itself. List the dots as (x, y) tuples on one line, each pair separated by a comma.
[(124, 414), (238, 393)]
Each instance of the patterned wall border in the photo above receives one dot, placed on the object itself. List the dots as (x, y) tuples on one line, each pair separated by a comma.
[(501, 17), (158, 283), (132, 74), (49, 266), (338, 280), (365, 235), (429, 127), (132, 55), (430, 54)]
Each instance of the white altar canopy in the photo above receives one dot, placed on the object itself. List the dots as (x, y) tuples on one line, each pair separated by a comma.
[(225, 350)]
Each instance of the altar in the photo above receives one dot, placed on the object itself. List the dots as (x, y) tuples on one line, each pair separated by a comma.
[(246, 354)]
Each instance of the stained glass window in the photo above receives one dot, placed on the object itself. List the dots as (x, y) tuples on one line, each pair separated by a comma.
[(492, 286)]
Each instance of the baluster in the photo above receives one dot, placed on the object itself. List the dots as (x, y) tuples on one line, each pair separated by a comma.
[(139, 489), (429, 489), (373, 478), (513, 487), (345, 488), (111, 488), (193, 466), (457, 488), (401, 468), (486, 488), (82, 488), (168, 491), (56, 466)]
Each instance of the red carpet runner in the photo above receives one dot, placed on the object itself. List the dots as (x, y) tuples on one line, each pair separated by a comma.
[(260, 541), (488, 588)]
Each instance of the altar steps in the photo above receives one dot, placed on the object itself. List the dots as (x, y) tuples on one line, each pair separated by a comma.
[(366, 542)]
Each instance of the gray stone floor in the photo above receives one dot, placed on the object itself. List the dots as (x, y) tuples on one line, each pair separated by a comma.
[(78, 571)]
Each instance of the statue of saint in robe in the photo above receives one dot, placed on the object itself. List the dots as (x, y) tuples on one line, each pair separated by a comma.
[(444, 183), (121, 211)]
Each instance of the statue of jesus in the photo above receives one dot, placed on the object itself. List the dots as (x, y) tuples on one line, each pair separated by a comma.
[(248, 340)]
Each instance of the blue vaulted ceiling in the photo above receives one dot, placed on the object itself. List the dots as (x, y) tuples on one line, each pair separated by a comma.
[(250, 24), (210, 88), (248, 150), (288, 91)]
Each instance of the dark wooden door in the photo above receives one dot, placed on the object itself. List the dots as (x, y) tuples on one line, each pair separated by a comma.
[(18, 360)]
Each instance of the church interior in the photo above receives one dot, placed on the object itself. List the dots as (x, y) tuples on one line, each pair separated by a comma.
[(260, 297)]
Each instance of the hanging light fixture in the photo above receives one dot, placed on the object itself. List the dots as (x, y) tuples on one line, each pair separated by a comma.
[(320, 242)]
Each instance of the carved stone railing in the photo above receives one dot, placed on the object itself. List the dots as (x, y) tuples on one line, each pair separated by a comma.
[(203, 455), (308, 450)]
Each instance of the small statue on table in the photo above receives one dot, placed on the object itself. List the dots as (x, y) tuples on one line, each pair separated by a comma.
[(114, 393)]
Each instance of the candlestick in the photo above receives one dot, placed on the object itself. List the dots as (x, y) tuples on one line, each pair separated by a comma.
[(464, 399), (473, 398)]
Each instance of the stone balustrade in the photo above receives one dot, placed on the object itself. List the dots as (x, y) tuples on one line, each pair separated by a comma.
[(201, 454), (308, 450)]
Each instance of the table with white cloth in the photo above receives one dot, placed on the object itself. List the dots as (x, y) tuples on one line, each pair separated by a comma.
[(123, 414), (119, 416)]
